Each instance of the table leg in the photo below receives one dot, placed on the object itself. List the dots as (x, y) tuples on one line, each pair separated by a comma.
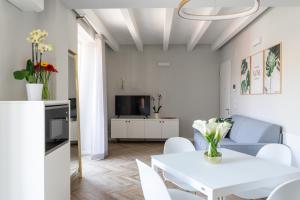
[(154, 167)]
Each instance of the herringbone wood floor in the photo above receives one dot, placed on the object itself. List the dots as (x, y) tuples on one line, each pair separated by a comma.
[(116, 178)]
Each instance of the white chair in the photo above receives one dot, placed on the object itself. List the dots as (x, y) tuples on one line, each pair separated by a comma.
[(278, 153), (286, 191), (178, 145), (155, 189)]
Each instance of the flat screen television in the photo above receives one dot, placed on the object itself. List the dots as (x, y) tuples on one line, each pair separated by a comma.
[(132, 105)]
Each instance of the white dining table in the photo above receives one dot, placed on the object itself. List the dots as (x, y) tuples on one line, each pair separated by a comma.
[(236, 173)]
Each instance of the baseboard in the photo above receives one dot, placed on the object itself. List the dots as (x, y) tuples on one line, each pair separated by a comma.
[(136, 140), (141, 140)]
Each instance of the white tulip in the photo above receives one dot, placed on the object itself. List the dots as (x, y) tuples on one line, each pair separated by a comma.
[(212, 126), (212, 120), (218, 135), (200, 126), (224, 128), (218, 128)]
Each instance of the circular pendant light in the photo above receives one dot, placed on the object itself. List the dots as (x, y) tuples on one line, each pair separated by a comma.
[(192, 16)]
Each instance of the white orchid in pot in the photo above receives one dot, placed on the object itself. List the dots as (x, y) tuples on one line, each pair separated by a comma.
[(213, 131), (156, 108)]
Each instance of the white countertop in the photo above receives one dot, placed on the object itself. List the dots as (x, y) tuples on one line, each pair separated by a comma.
[(56, 102), (47, 103)]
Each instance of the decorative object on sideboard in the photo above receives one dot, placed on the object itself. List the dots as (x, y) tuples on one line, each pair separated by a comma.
[(213, 131), (273, 70), (156, 108), (37, 73), (245, 76), (34, 91)]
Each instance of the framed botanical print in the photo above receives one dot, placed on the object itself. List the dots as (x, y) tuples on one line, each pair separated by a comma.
[(257, 73), (245, 76), (272, 70)]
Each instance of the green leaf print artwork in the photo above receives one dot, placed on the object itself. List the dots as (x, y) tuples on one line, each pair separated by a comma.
[(245, 76), (272, 67)]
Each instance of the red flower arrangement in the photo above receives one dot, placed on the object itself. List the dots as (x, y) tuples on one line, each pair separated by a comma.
[(44, 66), (44, 71), (36, 71)]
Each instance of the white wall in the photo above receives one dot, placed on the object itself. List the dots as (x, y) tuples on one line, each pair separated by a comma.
[(277, 25), (61, 25), (15, 50), (190, 86)]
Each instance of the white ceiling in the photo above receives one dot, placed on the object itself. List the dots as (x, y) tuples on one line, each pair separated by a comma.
[(150, 23), (98, 4), (147, 22), (114, 22)]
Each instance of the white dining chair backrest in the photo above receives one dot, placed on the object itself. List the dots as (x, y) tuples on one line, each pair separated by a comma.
[(287, 191), (276, 152), (178, 145), (152, 185)]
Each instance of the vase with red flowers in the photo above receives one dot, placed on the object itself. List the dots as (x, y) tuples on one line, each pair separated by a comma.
[(37, 72), (44, 71)]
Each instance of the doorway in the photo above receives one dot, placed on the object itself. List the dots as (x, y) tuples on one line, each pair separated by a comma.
[(225, 88), (92, 87)]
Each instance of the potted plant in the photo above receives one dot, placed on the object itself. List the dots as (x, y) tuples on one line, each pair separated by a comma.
[(34, 89), (213, 131), (156, 108), (37, 73)]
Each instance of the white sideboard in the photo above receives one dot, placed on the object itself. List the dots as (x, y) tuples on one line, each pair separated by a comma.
[(144, 128)]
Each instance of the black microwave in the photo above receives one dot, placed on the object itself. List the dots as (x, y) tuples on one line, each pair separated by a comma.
[(56, 126)]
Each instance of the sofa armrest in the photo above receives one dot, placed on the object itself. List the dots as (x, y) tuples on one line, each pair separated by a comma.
[(247, 148), (199, 141)]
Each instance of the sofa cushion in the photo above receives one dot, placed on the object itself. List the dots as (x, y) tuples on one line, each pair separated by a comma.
[(248, 130), (201, 143), (227, 141)]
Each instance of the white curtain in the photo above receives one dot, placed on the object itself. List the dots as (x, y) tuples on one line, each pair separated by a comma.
[(92, 93)]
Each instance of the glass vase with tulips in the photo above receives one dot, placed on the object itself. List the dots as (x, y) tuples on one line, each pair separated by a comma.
[(213, 131)]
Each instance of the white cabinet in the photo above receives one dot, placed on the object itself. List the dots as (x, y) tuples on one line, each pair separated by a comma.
[(153, 128), (144, 128), (170, 128), (161, 128), (26, 172), (127, 128), (135, 128), (118, 128), (57, 171)]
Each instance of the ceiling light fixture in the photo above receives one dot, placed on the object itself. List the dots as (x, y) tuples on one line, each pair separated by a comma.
[(193, 16)]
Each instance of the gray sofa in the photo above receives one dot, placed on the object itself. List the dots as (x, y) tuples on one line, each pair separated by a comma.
[(247, 135)]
